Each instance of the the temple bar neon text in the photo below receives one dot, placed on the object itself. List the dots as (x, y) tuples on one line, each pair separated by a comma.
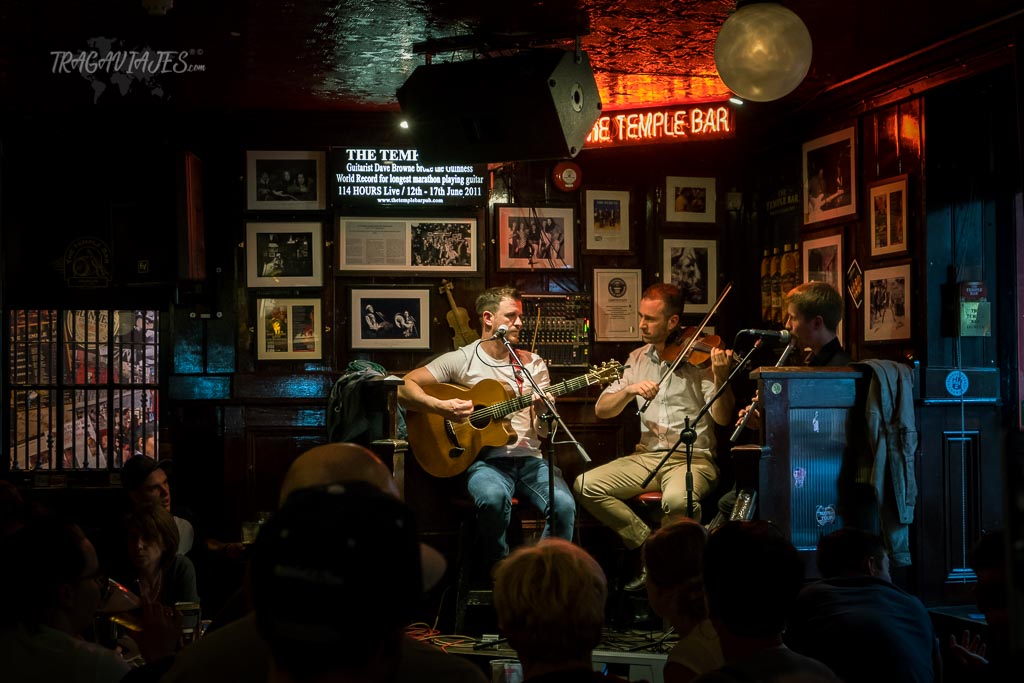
[(666, 124)]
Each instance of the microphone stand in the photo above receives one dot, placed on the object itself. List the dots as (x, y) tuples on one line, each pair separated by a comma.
[(553, 419), (756, 400), (689, 434)]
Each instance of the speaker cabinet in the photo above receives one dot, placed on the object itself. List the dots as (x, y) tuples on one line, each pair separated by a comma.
[(534, 105)]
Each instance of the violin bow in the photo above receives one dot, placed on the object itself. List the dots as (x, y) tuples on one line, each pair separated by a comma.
[(689, 347)]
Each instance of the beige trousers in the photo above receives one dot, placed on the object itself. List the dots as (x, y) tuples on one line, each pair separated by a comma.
[(604, 490)]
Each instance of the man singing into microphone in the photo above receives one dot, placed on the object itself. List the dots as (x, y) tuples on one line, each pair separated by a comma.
[(813, 312), (603, 491), (517, 469)]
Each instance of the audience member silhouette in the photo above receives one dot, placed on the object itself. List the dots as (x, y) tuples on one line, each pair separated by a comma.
[(146, 482), (236, 652), (856, 609), (371, 566), (158, 573), (51, 585), (752, 575), (550, 599), (674, 556)]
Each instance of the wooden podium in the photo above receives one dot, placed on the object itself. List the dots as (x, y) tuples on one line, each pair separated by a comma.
[(812, 422)]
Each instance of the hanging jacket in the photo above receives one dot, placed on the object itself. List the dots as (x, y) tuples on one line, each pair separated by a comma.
[(351, 415), (891, 436)]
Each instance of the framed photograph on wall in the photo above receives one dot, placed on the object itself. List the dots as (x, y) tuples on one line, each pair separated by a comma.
[(438, 245), (830, 177), (288, 329), (887, 294), (390, 319), (822, 260), (285, 181), (692, 265), (617, 304), (284, 254), (535, 237), (607, 221), (689, 200), (888, 207)]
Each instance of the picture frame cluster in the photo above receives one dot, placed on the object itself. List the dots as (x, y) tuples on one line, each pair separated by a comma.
[(286, 253)]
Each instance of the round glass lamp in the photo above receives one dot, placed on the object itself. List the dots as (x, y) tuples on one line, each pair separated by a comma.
[(763, 51)]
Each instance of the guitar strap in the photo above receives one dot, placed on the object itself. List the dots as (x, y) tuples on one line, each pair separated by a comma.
[(513, 361)]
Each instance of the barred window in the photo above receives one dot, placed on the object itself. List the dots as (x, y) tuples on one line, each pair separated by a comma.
[(84, 388)]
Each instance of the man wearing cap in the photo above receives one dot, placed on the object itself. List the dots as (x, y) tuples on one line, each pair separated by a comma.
[(236, 651), (145, 480), (371, 566)]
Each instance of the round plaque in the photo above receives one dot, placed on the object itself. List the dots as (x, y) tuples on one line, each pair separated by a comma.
[(567, 176), (957, 383)]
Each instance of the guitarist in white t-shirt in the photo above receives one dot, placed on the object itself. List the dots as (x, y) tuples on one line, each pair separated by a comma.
[(499, 473)]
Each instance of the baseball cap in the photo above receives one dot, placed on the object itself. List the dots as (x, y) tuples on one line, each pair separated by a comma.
[(335, 565), (138, 467)]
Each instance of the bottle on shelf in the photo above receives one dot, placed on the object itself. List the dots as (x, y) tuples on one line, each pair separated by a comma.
[(776, 284), (787, 272), (766, 286)]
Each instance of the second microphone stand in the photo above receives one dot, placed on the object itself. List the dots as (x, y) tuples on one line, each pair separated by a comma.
[(553, 419), (688, 436)]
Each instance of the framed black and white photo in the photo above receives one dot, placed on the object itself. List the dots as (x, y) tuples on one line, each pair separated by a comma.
[(830, 177), (607, 220), (288, 329), (535, 237), (887, 294), (689, 200), (284, 254), (617, 304), (692, 265), (390, 318), (438, 245), (888, 207), (285, 181)]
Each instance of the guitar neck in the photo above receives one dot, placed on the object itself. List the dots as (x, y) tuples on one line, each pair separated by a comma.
[(500, 410)]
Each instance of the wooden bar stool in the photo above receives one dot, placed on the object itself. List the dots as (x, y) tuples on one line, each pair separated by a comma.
[(465, 595)]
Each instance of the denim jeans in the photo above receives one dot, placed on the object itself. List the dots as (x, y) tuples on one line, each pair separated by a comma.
[(492, 484)]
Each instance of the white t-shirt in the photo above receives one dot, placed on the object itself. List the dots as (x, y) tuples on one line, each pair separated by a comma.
[(467, 366), (186, 535)]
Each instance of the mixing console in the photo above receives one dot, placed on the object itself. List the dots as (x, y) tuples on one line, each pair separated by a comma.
[(557, 328)]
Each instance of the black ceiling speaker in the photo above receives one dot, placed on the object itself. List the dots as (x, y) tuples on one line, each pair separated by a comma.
[(539, 104)]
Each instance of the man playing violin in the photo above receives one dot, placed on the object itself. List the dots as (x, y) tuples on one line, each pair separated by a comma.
[(681, 394)]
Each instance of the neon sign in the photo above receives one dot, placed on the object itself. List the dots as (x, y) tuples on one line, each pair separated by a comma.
[(661, 125)]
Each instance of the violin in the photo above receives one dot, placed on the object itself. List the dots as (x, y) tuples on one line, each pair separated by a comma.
[(700, 351)]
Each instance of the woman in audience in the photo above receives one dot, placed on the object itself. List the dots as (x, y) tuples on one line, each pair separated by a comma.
[(674, 555), (159, 573)]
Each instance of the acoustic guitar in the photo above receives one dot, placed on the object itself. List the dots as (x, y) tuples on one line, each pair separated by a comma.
[(445, 448), (458, 319)]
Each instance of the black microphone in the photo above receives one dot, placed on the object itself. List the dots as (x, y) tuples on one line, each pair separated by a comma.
[(782, 335), (500, 332)]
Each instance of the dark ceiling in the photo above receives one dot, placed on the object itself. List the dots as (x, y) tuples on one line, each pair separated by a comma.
[(353, 55)]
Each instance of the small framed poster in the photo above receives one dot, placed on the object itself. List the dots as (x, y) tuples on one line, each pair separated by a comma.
[(288, 329), (617, 304)]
